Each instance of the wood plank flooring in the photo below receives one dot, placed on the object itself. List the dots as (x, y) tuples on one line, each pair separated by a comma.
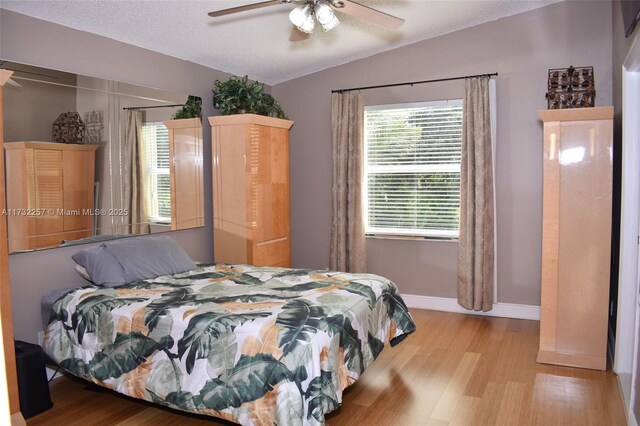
[(455, 370)]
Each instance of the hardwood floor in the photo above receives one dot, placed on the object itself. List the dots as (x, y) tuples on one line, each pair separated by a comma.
[(455, 370)]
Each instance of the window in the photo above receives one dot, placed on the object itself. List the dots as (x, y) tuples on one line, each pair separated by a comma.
[(412, 169), (155, 136)]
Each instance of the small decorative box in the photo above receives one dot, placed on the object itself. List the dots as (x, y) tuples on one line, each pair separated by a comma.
[(571, 88), (69, 128)]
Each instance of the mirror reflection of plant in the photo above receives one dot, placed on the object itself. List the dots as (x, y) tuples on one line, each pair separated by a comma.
[(191, 109), (239, 96)]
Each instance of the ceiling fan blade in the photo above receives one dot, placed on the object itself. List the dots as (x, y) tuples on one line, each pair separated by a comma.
[(14, 83), (368, 14), (5, 75), (237, 9), (297, 35)]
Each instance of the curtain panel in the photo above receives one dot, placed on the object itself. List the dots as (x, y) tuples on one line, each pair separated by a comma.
[(133, 179), (476, 246), (348, 249)]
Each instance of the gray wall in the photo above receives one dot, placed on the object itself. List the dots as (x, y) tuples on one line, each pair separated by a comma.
[(621, 46), (36, 42), (521, 48), (35, 106)]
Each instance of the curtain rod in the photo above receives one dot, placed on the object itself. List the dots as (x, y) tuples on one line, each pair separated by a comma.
[(411, 83), (154, 106)]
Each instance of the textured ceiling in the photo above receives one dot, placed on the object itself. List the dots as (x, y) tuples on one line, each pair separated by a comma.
[(257, 42)]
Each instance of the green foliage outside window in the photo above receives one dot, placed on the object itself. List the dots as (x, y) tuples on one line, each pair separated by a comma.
[(413, 178)]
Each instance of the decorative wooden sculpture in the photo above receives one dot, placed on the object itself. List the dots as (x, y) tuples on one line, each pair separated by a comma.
[(571, 88)]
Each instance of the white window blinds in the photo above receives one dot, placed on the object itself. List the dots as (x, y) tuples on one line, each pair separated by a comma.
[(156, 157), (412, 168)]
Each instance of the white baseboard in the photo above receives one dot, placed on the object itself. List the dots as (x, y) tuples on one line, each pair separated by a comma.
[(507, 310)]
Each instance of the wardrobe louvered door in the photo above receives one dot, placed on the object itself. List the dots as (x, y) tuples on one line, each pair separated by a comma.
[(54, 183), (47, 171)]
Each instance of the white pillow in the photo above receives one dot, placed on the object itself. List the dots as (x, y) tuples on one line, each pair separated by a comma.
[(83, 272)]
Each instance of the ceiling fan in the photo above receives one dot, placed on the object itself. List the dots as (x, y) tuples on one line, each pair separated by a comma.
[(5, 76), (5, 70), (305, 15)]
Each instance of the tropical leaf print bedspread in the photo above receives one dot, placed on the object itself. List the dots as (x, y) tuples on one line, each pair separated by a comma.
[(253, 345)]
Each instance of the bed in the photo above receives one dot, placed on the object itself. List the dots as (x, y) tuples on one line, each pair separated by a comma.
[(252, 345)]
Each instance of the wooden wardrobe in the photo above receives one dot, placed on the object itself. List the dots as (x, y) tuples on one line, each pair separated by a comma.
[(185, 169), (8, 377), (49, 193), (576, 236), (251, 189)]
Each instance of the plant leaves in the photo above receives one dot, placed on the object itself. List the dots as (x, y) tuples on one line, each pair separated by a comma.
[(293, 273), (85, 318), (74, 366), (223, 354), (58, 313), (292, 412), (349, 340), (399, 313), (361, 290), (238, 96), (321, 396), (375, 345), (250, 379), (182, 400), (210, 275), (257, 297), (245, 279), (166, 378), (299, 321), (104, 332), (191, 109), (303, 287), (160, 307), (126, 354), (203, 331)]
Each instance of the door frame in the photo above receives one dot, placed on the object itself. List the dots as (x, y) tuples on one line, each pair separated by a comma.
[(628, 325)]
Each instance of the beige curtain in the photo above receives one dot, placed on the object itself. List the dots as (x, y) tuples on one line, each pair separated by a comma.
[(476, 244), (132, 174), (348, 250)]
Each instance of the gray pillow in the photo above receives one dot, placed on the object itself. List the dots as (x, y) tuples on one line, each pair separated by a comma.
[(149, 257), (103, 268)]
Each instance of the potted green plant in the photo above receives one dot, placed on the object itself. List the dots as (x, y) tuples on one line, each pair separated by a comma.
[(239, 96), (191, 109)]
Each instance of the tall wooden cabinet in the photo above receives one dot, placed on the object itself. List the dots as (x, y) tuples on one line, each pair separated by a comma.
[(185, 169), (576, 236), (251, 189), (8, 377), (49, 193)]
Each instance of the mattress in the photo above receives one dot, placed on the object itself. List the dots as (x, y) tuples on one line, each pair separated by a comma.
[(252, 345)]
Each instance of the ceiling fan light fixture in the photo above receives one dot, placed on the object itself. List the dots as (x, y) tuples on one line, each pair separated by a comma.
[(298, 15), (307, 12), (326, 17), (303, 18)]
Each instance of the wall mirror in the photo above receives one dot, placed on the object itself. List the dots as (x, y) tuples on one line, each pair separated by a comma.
[(137, 171)]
